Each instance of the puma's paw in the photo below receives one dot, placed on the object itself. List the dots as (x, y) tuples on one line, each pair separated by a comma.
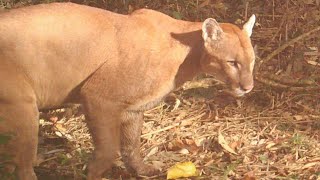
[(147, 170)]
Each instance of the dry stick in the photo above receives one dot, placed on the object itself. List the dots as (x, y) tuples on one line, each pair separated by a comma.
[(284, 46), (282, 86), (46, 160), (273, 5), (246, 11), (291, 82), (287, 9), (161, 130)]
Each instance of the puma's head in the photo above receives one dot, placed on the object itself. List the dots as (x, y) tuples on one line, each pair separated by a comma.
[(229, 55)]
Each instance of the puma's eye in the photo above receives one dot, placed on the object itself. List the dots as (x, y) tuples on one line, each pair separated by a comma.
[(233, 63)]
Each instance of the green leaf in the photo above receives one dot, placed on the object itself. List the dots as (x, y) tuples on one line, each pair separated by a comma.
[(263, 159), (176, 15)]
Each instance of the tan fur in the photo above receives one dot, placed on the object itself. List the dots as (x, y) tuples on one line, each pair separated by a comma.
[(117, 66)]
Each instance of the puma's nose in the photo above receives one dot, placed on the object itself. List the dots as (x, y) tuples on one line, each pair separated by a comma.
[(247, 88)]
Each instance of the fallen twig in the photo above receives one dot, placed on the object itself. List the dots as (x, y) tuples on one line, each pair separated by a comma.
[(292, 82)]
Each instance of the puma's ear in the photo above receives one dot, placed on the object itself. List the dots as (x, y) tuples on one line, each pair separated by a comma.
[(211, 30), (247, 27)]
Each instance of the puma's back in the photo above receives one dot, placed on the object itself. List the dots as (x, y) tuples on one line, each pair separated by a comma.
[(57, 46)]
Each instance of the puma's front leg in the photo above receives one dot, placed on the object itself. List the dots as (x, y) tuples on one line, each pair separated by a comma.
[(103, 122), (131, 124)]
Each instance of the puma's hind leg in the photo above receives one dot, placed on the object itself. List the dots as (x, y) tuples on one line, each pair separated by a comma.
[(20, 122)]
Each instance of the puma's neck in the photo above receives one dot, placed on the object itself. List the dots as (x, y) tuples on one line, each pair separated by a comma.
[(191, 64)]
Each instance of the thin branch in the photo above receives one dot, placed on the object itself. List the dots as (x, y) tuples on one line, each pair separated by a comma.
[(284, 46)]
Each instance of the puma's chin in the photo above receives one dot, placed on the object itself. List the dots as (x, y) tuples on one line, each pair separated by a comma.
[(239, 92)]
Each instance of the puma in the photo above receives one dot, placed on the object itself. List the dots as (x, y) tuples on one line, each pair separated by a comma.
[(116, 66)]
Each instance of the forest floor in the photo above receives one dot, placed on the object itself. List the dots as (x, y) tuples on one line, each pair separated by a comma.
[(271, 133)]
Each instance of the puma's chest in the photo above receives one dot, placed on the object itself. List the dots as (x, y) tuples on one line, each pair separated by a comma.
[(150, 100)]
